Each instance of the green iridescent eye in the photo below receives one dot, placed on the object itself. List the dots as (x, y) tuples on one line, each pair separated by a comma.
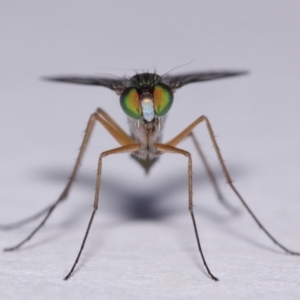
[(163, 99), (130, 103)]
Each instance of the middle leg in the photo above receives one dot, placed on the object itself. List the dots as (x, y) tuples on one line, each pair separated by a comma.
[(116, 132), (211, 175), (203, 119)]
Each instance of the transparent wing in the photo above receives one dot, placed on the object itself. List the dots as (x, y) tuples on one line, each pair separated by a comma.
[(114, 84), (177, 81)]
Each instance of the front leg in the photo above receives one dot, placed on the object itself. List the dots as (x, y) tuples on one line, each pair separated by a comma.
[(128, 148), (168, 148)]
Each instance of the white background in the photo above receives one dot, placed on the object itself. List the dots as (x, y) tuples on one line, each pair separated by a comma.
[(142, 244)]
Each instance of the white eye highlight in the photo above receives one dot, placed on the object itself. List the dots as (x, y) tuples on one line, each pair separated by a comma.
[(147, 108)]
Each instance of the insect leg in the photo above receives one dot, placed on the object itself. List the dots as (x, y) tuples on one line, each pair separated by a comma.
[(168, 148), (113, 129), (127, 148), (211, 175), (185, 133)]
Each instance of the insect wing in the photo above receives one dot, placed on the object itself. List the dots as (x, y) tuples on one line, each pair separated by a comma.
[(177, 81), (116, 85)]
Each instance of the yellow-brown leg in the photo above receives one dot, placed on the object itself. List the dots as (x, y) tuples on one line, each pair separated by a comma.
[(114, 130), (211, 175), (168, 148), (185, 133), (128, 148)]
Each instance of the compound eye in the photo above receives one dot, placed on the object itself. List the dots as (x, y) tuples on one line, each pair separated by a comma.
[(162, 98), (130, 103)]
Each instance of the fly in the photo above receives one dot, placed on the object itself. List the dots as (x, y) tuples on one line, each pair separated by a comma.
[(146, 98)]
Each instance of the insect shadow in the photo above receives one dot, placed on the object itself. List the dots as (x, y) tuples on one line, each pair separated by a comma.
[(151, 204), (147, 205)]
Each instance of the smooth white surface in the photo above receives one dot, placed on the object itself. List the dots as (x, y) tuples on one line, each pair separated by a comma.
[(142, 244)]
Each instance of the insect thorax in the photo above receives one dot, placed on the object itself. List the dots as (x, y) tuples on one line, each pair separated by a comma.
[(147, 134)]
